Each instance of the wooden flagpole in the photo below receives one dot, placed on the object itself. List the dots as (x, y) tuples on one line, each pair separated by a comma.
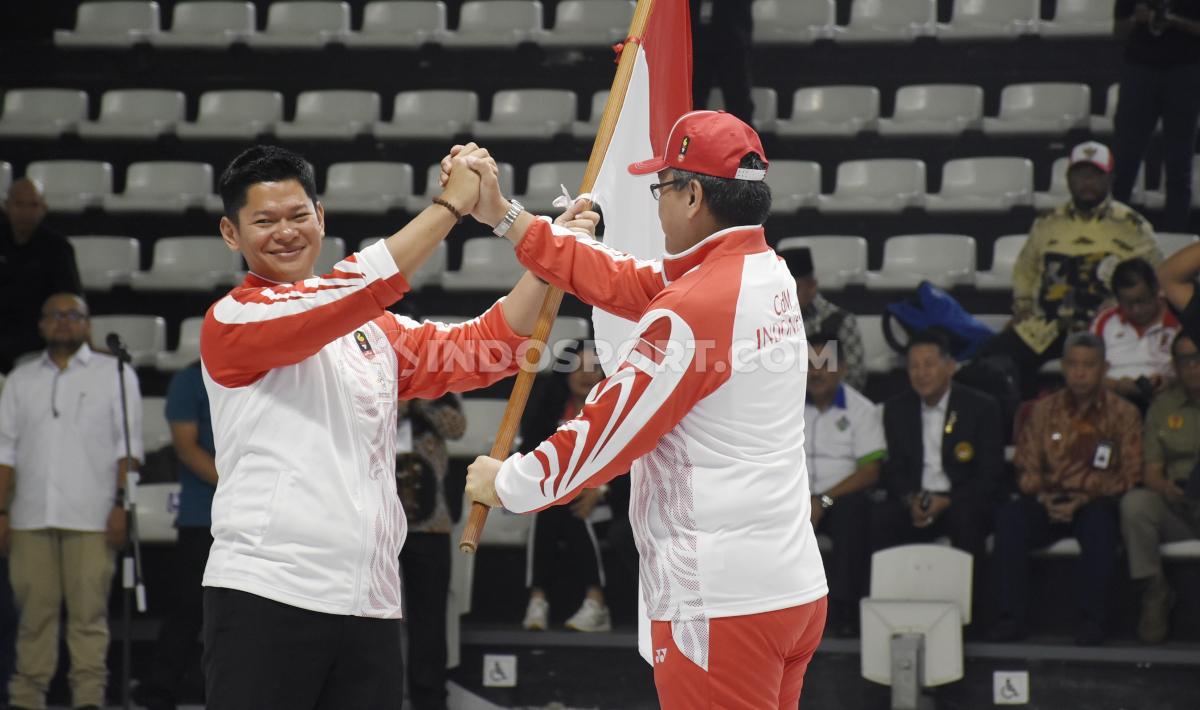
[(541, 331)]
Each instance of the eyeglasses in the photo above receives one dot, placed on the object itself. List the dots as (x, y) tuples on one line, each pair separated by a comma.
[(72, 316), (656, 188)]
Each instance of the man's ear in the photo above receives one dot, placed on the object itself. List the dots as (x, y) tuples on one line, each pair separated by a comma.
[(695, 197), (319, 210), (229, 234)]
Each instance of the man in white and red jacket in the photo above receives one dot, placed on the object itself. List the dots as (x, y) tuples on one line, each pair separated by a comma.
[(704, 407)]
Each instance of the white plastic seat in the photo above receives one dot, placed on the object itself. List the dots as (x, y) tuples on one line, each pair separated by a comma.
[(946, 260), (991, 19), (923, 573), (333, 250), (105, 262), (1104, 122), (528, 113), (878, 356), (144, 336), (135, 114), (207, 25), (429, 273), (331, 115), (588, 23), (399, 24), (831, 111), (792, 21), (488, 264), (546, 181), (1049, 107), (156, 430), (889, 21), (838, 260), (367, 187), (1080, 18), (564, 331), (189, 264), (42, 113), (6, 174), (233, 115), (430, 114), (163, 186), (794, 184), (1171, 242), (983, 185), (188, 350), (72, 185), (483, 420), (110, 24), (496, 23), (766, 107), (934, 110), (1180, 550), (589, 128), (1005, 251), (1145, 197), (883, 185), (157, 509), (1058, 192), (415, 203), (995, 321), (303, 24)]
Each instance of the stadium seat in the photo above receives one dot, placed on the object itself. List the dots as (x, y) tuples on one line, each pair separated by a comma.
[(496, 23), (105, 262), (1004, 256), (838, 260), (189, 264), (878, 356), (416, 203), (157, 509), (430, 114), (188, 350), (233, 115), (156, 431), (1171, 242), (144, 336), (110, 24), (1145, 197), (207, 25), (330, 115), (1195, 171), (488, 264), (1103, 124), (889, 21), (580, 24), (792, 21), (528, 113), (483, 420), (6, 174), (368, 187), (429, 273), (995, 321), (883, 185), (934, 110), (1080, 18), (1058, 192), (946, 260), (303, 24), (72, 185), (135, 114), (333, 250), (983, 185), (42, 113), (163, 186), (399, 24), (794, 184), (1048, 107), (766, 107), (546, 181), (588, 129), (991, 19), (831, 111)]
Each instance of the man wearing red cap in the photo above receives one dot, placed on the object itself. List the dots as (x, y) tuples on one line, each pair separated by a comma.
[(702, 408)]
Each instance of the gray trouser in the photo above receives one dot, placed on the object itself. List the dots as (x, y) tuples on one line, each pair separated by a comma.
[(1147, 521)]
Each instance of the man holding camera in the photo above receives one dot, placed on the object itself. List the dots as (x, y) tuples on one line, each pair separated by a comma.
[(1160, 80)]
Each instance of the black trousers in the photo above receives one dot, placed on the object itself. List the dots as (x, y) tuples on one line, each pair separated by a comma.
[(176, 646), (1025, 361), (965, 522), (582, 554), (1148, 94), (1022, 525), (260, 654), (721, 51), (848, 524), (425, 564)]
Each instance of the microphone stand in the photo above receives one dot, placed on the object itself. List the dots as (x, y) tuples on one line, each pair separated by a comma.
[(131, 558)]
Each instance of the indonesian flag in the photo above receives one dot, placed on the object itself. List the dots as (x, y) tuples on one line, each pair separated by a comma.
[(659, 92)]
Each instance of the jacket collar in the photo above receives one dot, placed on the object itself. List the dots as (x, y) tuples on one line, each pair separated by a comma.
[(727, 242)]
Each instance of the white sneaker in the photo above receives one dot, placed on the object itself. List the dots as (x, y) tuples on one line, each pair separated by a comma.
[(537, 614), (590, 617)]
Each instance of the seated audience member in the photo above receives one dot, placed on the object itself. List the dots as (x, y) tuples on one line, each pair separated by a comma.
[(1168, 507), (945, 455), (1137, 334), (821, 316), (843, 446), (1178, 276), (1078, 452)]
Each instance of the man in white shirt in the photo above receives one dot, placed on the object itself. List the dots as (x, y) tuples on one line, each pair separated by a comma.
[(844, 447), (62, 480)]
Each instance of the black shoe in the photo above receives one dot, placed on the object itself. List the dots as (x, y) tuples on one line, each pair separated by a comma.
[(1006, 632), (1089, 633), (88, 707)]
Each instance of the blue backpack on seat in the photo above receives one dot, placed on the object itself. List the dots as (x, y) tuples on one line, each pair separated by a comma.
[(932, 307)]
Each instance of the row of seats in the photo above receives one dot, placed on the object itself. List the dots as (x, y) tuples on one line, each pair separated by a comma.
[(578, 23), (885, 185), (533, 114)]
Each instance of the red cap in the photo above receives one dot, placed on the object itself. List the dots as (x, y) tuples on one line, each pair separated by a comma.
[(710, 143)]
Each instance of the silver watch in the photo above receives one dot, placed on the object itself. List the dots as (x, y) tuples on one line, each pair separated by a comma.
[(515, 209), (826, 501)]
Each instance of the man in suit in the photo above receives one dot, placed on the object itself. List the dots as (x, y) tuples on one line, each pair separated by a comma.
[(945, 455)]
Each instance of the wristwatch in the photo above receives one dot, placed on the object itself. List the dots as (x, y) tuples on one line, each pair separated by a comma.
[(515, 209), (826, 501)]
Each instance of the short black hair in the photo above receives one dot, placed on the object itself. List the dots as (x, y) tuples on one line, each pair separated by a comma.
[(1134, 272), (1085, 339), (930, 336), (262, 163), (733, 202)]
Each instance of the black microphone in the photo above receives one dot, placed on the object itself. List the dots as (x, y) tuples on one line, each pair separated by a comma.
[(117, 348)]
